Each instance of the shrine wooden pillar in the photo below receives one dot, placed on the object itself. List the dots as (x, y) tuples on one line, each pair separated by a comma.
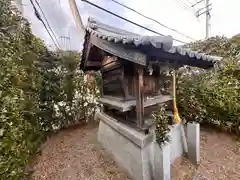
[(139, 95)]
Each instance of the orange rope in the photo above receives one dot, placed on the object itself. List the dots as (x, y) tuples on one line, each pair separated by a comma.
[(175, 110)]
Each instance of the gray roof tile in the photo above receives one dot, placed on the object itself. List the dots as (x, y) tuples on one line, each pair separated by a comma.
[(116, 35)]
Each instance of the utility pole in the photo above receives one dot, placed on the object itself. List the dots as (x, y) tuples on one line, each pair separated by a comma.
[(65, 45), (205, 10), (208, 16)]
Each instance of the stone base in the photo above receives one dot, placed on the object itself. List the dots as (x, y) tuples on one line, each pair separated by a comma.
[(137, 153), (176, 142), (193, 140)]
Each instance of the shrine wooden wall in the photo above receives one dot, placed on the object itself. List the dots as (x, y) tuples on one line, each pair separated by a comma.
[(120, 84), (119, 79), (112, 73)]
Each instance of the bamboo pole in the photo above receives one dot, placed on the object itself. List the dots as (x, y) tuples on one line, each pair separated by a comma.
[(175, 110), (176, 116)]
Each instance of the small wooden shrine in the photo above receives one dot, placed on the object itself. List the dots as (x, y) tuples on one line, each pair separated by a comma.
[(135, 70)]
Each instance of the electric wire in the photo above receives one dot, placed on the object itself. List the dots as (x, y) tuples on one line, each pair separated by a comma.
[(189, 2), (39, 6), (183, 5), (40, 18), (197, 2), (125, 19), (123, 5)]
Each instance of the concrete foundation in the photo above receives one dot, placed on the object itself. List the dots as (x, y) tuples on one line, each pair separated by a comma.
[(137, 153)]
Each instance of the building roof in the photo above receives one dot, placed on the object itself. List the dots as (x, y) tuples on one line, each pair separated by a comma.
[(117, 35), (159, 47)]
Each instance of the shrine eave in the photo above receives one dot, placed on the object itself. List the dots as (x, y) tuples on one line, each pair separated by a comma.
[(139, 49)]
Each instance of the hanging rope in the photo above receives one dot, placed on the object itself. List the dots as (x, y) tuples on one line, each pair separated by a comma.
[(175, 110)]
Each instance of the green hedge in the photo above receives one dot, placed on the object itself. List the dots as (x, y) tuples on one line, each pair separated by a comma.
[(213, 97), (162, 130), (40, 92)]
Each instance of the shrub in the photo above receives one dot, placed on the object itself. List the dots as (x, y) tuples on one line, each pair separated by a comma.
[(40, 91), (161, 125), (213, 97)]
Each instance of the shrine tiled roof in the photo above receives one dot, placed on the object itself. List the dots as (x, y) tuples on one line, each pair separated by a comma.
[(117, 35), (164, 43)]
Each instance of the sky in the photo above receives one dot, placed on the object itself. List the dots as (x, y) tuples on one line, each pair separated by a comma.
[(177, 14)]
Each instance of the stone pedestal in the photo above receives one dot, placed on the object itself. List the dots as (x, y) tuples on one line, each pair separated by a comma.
[(193, 141), (176, 142), (138, 154), (162, 161), (130, 149)]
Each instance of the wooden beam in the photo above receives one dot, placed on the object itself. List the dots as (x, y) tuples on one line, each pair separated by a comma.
[(116, 67), (87, 50), (113, 86), (124, 106), (120, 51), (117, 104), (110, 79), (108, 60), (93, 63), (157, 100), (125, 85), (139, 95)]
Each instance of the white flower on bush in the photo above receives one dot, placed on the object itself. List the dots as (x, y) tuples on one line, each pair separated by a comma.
[(1, 132), (94, 101), (85, 78), (62, 103), (88, 91), (67, 108), (55, 127), (56, 107), (4, 110)]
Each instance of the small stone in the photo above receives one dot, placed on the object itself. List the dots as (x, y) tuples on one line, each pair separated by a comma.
[(199, 176)]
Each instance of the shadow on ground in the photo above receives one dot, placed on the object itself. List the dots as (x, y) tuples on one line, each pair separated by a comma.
[(75, 154)]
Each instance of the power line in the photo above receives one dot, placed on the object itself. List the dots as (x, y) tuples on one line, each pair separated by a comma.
[(151, 19), (68, 37), (66, 42), (190, 9), (57, 18), (197, 3), (189, 2), (183, 5), (40, 18), (205, 7), (47, 21), (125, 19)]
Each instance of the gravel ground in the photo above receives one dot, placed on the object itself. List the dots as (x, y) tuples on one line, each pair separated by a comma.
[(220, 159), (74, 154)]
